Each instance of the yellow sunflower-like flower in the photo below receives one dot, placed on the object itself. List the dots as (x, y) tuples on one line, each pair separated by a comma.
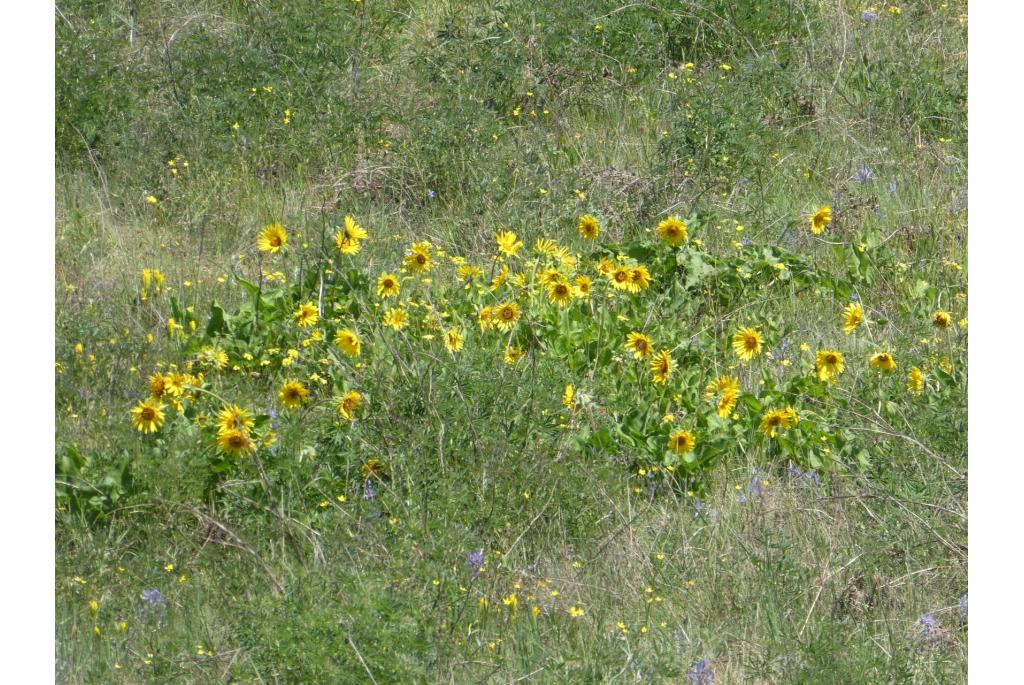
[(388, 286), (639, 344), (417, 258), (349, 342), (453, 341), (354, 231), (673, 231), (396, 318), (639, 279), (272, 239), (513, 354), (853, 316), (346, 245), (821, 219), (883, 361), (468, 272), (727, 389), (589, 227), (661, 367), (568, 395), (500, 279), (682, 442), (508, 243), (605, 266), (583, 286), (157, 385), (213, 355), (777, 419), (746, 343), (565, 258), (506, 316), (829, 364), (374, 468), (560, 293), (621, 278), (235, 443), (915, 381), (174, 384), (546, 247), (552, 276), (148, 415), (234, 418), (348, 404), (485, 318), (306, 315), (941, 319), (293, 394)]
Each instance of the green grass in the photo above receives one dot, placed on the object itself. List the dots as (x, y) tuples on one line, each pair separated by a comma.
[(486, 105)]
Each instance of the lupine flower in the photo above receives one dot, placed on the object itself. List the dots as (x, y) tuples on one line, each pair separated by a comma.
[(701, 674), (797, 473), (154, 598), (754, 487), (475, 561)]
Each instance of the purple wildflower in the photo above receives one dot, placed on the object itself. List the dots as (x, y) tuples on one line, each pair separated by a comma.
[(745, 241), (928, 624), (868, 15), (855, 297), (963, 606), (863, 174), (369, 492), (754, 487), (154, 598), (431, 194), (701, 674), (892, 187), (797, 473), (475, 561)]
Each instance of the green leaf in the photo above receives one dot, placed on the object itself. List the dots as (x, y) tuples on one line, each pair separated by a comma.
[(751, 403), (215, 325), (250, 288)]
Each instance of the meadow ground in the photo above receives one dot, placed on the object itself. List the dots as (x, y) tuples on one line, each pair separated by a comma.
[(321, 418)]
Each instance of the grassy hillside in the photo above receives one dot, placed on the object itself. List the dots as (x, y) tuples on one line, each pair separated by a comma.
[(746, 458)]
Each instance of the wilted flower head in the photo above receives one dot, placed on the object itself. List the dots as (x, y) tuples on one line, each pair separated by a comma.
[(701, 674)]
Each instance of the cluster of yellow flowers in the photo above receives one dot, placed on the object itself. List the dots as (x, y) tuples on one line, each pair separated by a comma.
[(552, 276)]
